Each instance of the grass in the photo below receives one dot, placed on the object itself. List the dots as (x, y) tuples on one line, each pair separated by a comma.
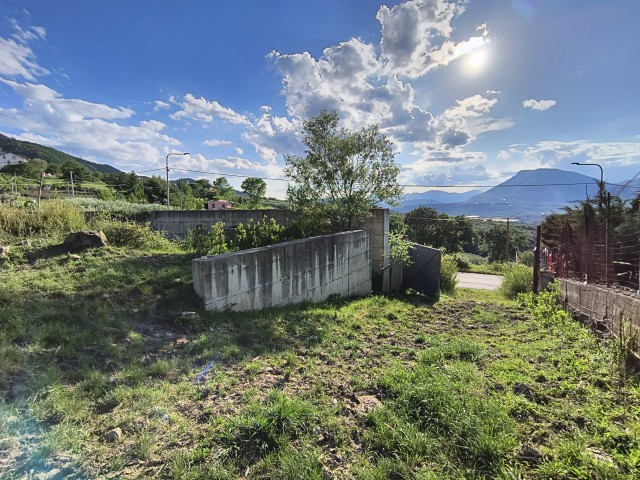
[(474, 386)]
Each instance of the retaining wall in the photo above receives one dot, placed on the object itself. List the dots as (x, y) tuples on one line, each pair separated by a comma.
[(311, 269), (176, 223), (617, 311)]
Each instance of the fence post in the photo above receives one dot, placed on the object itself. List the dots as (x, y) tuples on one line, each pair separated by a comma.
[(586, 244), (536, 261), (606, 239)]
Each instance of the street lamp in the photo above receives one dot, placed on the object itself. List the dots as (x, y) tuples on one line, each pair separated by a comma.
[(601, 184), (167, 163)]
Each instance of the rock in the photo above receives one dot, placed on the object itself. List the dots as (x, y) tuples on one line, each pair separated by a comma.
[(113, 435), (81, 240), (192, 316), (4, 250)]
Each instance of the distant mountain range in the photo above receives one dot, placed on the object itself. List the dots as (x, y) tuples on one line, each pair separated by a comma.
[(528, 196), (50, 155)]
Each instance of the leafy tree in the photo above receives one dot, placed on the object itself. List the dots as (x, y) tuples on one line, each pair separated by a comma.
[(222, 190), (80, 172), (495, 243), (255, 188), (429, 227), (32, 169), (344, 174)]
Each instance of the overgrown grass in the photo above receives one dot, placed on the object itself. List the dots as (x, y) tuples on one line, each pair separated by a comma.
[(53, 218), (473, 386), (448, 273)]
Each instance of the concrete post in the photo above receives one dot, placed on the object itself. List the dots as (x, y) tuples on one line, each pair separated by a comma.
[(378, 227)]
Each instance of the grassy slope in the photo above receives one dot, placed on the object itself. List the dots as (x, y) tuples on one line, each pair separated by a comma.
[(472, 386)]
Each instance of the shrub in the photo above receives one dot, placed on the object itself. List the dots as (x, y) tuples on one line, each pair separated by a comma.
[(526, 258), (132, 234), (259, 234), (203, 242), (448, 273), (517, 279)]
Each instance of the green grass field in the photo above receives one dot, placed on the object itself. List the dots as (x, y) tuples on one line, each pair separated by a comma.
[(102, 377)]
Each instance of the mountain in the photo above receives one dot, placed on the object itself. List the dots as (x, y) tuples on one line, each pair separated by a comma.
[(50, 155), (437, 196), (541, 186), (528, 196)]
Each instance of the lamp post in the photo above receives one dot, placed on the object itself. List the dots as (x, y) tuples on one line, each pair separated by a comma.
[(167, 163), (601, 185)]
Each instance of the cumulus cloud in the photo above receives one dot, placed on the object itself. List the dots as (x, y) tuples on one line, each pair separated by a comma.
[(561, 154), (540, 105), (91, 130), (160, 105), (205, 111)]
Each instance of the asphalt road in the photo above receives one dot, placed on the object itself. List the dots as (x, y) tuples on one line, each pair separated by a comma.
[(479, 281)]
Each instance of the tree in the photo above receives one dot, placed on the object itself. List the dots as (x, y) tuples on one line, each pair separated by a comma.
[(429, 227), (32, 169), (255, 188), (222, 190), (80, 172), (344, 174), (495, 243)]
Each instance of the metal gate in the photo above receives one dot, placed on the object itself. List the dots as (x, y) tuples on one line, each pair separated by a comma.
[(423, 273)]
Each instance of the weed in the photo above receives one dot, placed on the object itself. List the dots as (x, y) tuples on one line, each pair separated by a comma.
[(518, 279), (448, 273)]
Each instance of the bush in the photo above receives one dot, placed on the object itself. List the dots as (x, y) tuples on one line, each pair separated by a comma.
[(259, 234), (526, 258), (448, 273), (203, 242), (53, 218), (133, 235), (518, 279)]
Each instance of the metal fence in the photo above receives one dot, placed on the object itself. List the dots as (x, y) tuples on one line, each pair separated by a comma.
[(598, 245)]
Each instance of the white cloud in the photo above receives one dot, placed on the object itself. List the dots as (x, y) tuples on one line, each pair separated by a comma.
[(205, 111), (91, 130), (416, 36), (540, 105), (160, 105), (218, 143), (239, 151), (561, 154)]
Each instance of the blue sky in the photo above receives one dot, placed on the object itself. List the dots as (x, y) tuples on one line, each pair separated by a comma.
[(470, 92)]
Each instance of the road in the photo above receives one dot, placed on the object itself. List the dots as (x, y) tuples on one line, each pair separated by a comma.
[(479, 281)]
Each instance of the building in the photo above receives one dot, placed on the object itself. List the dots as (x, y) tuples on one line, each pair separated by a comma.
[(10, 159), (219, 205)]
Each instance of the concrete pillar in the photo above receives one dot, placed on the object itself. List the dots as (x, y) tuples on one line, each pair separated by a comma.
[(378, 227)]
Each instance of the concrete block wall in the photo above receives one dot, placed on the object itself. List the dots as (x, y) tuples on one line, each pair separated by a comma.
[(616, 309), (292, 272), (176, 223)]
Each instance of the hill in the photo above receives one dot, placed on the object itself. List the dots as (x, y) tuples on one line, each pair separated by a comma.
[(50, 155)]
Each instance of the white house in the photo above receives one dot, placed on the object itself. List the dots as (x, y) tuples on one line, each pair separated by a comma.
[(10, 159)]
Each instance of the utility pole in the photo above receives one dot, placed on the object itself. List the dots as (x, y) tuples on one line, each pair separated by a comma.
[(506, 249), (73, 192)]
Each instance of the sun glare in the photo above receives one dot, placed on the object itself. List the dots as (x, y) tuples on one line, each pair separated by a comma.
[(476, 61)]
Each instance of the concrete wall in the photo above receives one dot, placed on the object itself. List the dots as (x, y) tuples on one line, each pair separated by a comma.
[(292, 272), (615, 310), (423, 273), (176, 223)]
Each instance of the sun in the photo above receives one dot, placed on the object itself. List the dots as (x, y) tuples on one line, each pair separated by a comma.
[(476, 61)]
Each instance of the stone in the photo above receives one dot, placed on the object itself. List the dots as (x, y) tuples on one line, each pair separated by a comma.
[(113, 435), (4, 250), (193, 316), (81, 240)]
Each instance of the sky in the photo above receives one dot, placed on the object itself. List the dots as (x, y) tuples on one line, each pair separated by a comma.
[(469, 92)]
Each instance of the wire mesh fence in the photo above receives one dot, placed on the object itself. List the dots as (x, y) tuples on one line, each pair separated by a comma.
[(598, 243)]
